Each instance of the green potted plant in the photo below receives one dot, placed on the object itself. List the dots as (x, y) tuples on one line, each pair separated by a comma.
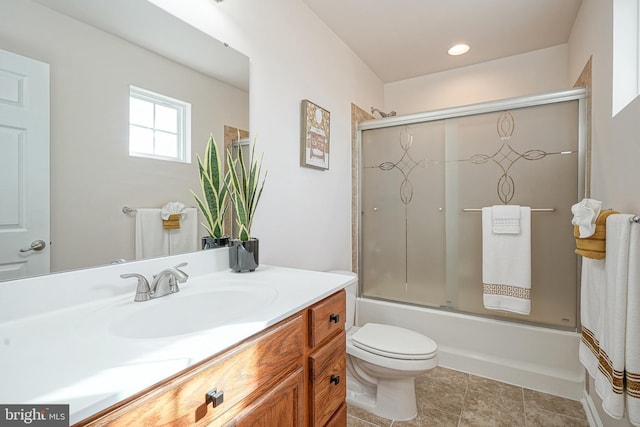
[(245, 189), (215, 196)]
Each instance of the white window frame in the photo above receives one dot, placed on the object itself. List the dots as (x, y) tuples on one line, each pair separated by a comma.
[(183, 126), (626, 54)]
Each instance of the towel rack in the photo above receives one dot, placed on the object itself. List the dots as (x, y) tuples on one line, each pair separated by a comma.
[(532, 210), (128, 210), (635, 218)]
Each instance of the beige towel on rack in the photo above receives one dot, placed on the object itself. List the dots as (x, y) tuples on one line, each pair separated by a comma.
[(632, 342), (592, 284), (609, 381), (151, 240), (185, 238), (506, 265)]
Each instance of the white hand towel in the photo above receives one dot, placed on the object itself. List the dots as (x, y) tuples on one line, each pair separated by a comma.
[(171, 208), (506, 265), (151, 239), (609, 381), (585, 213), (632, 344), (185, 238), (505, 219), (592, 284)]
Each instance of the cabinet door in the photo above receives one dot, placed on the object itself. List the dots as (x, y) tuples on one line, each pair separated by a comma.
[(282, 406)]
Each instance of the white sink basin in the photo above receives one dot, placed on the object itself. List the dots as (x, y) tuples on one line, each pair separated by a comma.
[(184, 313)]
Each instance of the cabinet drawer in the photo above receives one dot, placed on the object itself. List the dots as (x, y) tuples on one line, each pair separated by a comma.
[(327, 317), (282, 406), (328, 375), (250, 368), (339, 419)]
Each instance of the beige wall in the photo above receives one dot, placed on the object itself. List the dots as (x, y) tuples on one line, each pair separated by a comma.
[(529, 73), (615, 140), (92, 175), (615, 144), (304, 216)]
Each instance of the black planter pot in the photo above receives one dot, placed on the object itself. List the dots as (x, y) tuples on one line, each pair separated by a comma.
[(209, 242), (243, 255)]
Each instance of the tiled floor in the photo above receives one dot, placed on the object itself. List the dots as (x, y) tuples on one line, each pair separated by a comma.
[(448, 398)]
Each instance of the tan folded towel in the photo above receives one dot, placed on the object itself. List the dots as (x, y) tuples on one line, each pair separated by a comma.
[(171, 223), (594, 246)]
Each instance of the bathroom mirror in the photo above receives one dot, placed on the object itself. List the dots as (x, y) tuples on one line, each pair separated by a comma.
[(96, 51)]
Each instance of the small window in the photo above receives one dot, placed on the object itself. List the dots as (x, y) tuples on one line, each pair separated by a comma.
[(626, 53), (159, 126)]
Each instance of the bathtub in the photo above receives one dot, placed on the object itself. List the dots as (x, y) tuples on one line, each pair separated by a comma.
[(534, 357)]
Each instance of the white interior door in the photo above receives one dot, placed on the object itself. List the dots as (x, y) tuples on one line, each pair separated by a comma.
[(24, 166)]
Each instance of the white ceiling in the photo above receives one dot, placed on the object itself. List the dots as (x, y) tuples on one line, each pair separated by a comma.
[(400, 39)]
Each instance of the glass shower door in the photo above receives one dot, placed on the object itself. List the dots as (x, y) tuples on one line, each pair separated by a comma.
[(422, 188)]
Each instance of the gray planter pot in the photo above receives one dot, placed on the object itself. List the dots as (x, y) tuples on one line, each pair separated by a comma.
[(243, 255), (209, 242)]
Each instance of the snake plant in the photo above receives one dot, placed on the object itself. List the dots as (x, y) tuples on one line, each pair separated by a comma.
[(246, 187), (215, 190)]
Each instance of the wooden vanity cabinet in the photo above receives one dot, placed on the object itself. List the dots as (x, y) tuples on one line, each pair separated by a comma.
[(264, 374), (293, 374)]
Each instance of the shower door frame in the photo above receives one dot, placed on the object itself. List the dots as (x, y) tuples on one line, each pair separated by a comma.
[(584, 151)]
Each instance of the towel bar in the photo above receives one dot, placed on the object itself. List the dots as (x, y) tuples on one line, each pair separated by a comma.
[(635, 218), (532, 209), (128, 210)]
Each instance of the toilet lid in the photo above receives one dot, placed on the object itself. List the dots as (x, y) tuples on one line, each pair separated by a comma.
[(394, 342)]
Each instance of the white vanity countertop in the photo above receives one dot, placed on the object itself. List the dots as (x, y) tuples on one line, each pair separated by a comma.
[(82, 355)]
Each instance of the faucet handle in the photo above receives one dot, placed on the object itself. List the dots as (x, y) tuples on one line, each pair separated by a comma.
[(179, 266), (174, 280), (143, 292)]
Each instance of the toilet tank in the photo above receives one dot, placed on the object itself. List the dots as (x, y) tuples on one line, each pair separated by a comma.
[(352, 293)]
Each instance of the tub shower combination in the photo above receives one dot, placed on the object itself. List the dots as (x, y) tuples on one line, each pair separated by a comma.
[(423, 179)]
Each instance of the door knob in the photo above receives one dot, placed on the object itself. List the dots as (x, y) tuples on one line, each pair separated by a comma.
[(37, 245)]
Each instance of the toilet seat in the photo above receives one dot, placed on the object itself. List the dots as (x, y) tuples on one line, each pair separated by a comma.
[(394, 342)]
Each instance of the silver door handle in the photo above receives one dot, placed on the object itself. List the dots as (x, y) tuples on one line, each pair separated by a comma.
[(37, 245)]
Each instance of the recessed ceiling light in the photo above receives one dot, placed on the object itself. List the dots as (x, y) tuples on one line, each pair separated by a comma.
[(458, 49)]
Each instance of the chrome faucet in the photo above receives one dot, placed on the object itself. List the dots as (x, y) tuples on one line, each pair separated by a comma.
[(169, 276)]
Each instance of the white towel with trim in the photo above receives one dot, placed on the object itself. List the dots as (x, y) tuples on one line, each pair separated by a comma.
[(152, 240), (184, 239), (609, 381), (506, 265), (632, 342), (592, 285), (505, 219)]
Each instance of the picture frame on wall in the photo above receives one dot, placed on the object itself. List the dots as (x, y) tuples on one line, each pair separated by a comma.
[(315, 138)]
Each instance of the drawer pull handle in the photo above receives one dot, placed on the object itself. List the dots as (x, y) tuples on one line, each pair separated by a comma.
[(334, 318), (335, 379), (215, 397)]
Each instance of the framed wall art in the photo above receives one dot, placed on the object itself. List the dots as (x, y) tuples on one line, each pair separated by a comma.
[(314, 142)]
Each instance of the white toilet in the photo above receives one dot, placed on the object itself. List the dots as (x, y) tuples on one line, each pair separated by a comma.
[(382, 364)]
